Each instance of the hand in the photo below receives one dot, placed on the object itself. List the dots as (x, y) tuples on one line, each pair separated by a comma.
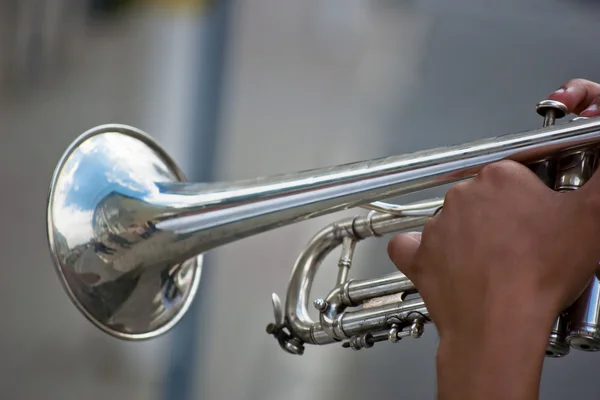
[(500, 262), (582, 97), (505, 248), (494, 269)]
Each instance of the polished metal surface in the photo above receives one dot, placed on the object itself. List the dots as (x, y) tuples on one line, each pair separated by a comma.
[(126, 230), (584, 331), (551, 110), (115, 264)]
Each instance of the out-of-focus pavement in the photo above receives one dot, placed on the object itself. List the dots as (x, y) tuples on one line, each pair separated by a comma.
[(308, 84), (47, 349)]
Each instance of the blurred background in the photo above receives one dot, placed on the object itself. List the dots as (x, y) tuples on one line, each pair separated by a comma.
[(236, 90)]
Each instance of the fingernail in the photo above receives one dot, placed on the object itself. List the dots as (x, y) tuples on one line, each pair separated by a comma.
[(561, 90), (591, 108)]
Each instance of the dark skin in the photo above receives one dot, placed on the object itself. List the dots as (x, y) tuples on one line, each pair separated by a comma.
[(505, 256)]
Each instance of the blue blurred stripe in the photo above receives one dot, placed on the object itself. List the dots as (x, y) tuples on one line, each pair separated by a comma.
[(213, 32)]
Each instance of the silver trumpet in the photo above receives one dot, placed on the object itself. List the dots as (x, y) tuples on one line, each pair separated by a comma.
[(127, 232)]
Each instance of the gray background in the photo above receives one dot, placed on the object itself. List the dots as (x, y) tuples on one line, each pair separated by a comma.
[(306, 84)]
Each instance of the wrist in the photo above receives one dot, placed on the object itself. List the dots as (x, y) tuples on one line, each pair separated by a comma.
[(502, 364)]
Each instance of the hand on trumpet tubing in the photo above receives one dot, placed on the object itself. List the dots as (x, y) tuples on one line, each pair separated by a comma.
[(127, 231)]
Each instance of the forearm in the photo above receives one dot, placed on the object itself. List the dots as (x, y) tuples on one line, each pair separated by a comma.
[(507, 366)]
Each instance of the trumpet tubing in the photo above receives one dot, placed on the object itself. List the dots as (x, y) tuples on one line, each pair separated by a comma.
[(126, 231)]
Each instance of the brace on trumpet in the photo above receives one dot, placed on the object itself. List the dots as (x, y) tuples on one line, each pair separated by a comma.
[(127, 232)]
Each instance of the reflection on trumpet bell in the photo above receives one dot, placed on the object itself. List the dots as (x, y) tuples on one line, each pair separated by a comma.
[(127, 232), (122, 272)]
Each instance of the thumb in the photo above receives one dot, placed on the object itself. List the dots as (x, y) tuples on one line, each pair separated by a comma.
[(402, 249)]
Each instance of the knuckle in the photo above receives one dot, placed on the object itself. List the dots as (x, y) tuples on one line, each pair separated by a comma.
[(499, 170), (455, 194)]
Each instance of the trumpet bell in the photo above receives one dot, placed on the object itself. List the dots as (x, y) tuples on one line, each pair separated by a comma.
[(103, 238)]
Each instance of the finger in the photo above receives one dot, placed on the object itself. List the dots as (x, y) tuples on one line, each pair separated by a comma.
[(582, 97), (402, 249), (508, 173)]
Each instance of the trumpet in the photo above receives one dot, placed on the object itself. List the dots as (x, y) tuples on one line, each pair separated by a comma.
[(127, 231)]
